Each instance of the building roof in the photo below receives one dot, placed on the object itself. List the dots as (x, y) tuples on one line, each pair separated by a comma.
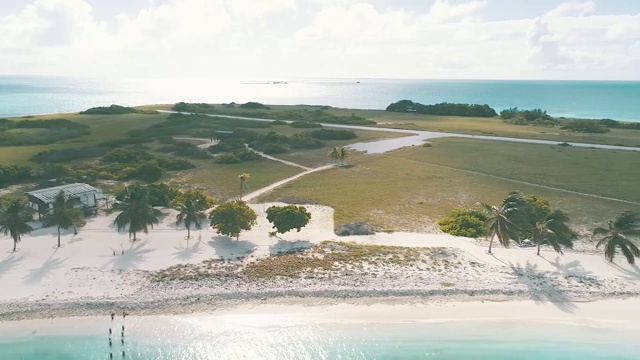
[(71, 190)]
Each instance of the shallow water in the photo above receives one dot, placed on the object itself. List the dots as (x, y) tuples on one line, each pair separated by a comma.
[(218, 338), (20, 95)]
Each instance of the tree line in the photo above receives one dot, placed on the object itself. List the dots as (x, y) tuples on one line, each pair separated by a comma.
[(521, 218), (443, 109)]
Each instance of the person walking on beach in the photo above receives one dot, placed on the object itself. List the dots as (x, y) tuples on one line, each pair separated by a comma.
[(112, 315)]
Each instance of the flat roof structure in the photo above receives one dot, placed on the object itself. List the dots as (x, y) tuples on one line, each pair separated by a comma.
[(48, 195)]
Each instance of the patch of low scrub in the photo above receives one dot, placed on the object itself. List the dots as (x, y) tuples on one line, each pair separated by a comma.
[(355, 228)]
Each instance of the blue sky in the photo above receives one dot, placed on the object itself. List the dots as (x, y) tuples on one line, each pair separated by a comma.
[(496, 39)]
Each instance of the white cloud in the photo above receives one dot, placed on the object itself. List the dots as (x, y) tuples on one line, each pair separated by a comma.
[(443, 11), (572, 8), (347, 38)]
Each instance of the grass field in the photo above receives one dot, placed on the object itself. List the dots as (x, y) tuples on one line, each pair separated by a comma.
[(467, 125), (409, 189)]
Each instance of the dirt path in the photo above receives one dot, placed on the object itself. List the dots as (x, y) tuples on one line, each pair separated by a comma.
[(265, 190), (286, 162), (207, 142)]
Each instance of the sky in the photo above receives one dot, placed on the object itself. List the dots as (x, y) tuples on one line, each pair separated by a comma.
[(421, 39)]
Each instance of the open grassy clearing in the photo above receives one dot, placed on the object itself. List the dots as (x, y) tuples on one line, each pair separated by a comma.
[(464, 125), (221, 180), (399, 192), (101, 128)]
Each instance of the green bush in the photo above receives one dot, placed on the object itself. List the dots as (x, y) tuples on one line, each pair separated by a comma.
[(193, 107), (54, 156), (126, 156), (39, 132), (464, 222), (148, 172), (227, 145), (109, 110), (304, 125), (228, 159), (444, 109), (274, 149), (253, 105), (586, 126)]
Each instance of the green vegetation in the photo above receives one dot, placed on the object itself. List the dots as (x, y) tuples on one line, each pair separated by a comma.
[(198, 108), (446, 109), (339, 153), (191, 206), (553, 230), (287, 218), (330, 256), (586, 126), (56, 156), (136, 213), (329, 134), (39, 131), (253, 106), (157, 194), (499, 223), (15, 216), (618, 235), (416, 186), (64, 215), (232, 218), (539, 117), (109, 110), (464, 222), (304, 125)]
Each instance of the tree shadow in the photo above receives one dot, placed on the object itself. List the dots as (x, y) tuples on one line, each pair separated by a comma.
[(35, 276), (229, 249), (75, 239), (131, 257), (9, 263), (284, 247), (573, 268), (187, 252), (543, 288), (628, 274)]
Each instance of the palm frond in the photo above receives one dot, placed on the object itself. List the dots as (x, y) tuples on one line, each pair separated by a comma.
[(627, 220), (599, 231)]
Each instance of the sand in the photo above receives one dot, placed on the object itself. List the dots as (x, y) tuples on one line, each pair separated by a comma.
[(84, 277)]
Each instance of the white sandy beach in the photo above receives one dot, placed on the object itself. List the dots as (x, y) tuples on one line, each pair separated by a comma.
[(84, 277)]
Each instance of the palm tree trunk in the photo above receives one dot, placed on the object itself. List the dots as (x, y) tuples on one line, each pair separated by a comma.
[(188, 233), (538, 249), (490, 244), (134, 236), (15, 242), (58, 235)]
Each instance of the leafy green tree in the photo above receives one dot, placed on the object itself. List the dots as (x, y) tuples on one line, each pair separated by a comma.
[(191, 206), (618, 234), (232, 218), (287, 218), (343, 153), (14, 218), (135, 211), (499, 222), (553, 230), (243, 183), (464, 222), (64, 215)]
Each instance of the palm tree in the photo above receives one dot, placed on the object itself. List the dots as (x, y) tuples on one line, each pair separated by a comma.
[(500, 221), (64, 215), (243, 182), (554, 230), (135, 211), (626, 225), (191, 206), (334, 154), (14, 218), (342, 155)]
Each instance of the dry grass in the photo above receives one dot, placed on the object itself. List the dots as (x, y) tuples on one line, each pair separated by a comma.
[(404, 191)]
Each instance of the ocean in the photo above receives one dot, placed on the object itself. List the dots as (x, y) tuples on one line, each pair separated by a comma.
[(20, 95), (208, 337)]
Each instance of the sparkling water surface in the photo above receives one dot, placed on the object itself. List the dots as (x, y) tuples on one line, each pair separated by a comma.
[(618, 100), (211, 338)]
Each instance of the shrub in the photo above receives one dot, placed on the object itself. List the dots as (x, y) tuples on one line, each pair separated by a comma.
[(253, 105), (148, 172), (273, 149), (54, 156), (193, 107), (110, 110), (464, 222), (39, 132), (287, 218), (446, 109), (304, 125), (326, 134), (159, 194), (300, 141), (356, 228), (586, 126), (125, 141), (126, 156), (228, 159), (227, 145)]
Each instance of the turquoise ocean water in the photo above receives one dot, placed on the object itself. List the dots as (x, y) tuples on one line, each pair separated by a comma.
[(584, 99), (203, 338)]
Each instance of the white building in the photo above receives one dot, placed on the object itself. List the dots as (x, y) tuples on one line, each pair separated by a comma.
[(82, 195)]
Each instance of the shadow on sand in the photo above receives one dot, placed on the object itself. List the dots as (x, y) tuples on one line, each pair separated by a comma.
[(131, 258), (35, 276), (229, 249), (9, 263), (283, 247), (186, 252), (542, 287), (627, 274)]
